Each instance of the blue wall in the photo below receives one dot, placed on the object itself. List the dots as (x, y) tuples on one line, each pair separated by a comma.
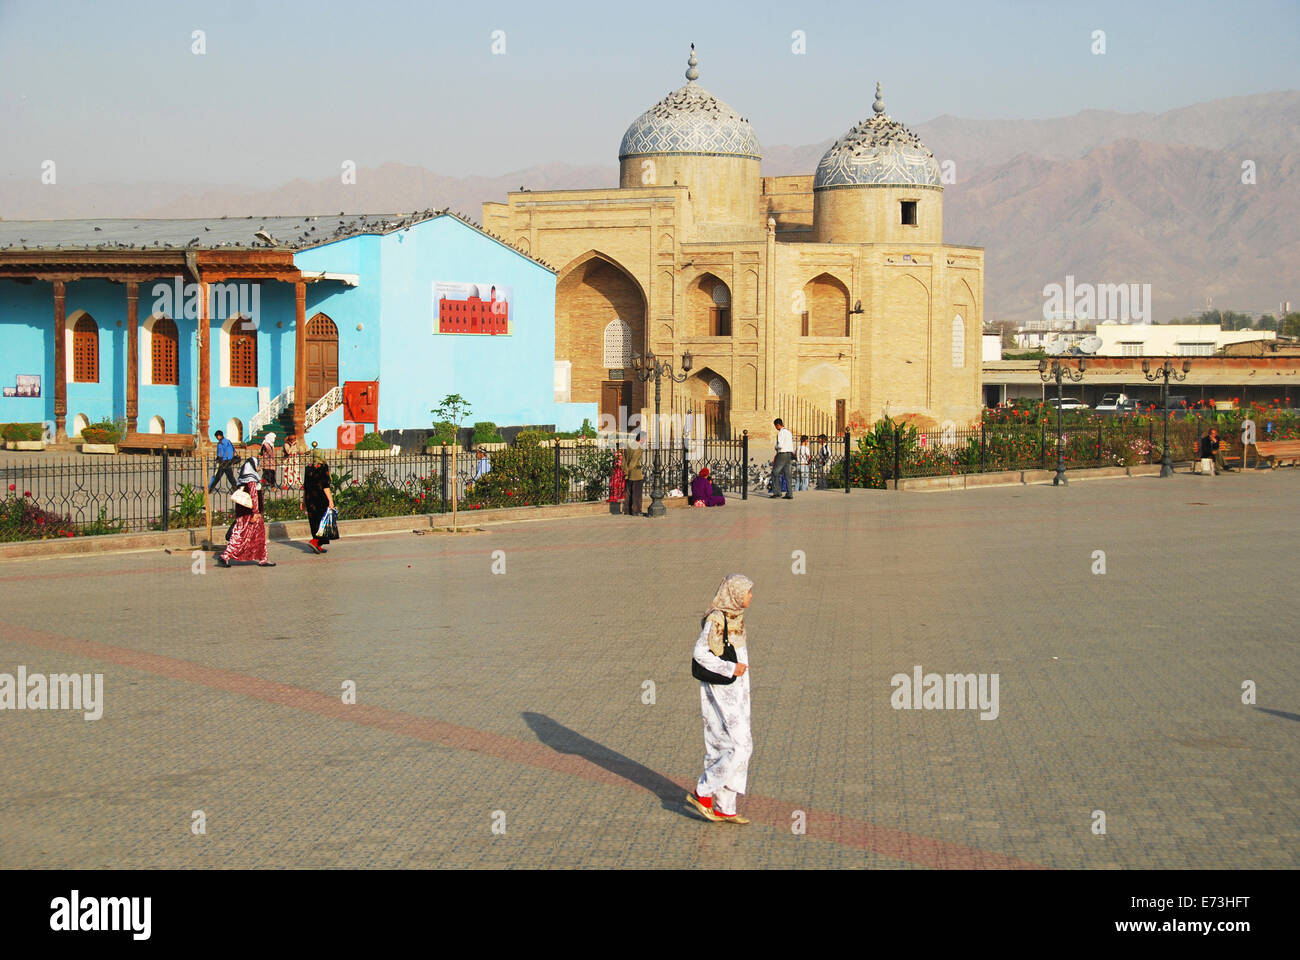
[(508, 379)]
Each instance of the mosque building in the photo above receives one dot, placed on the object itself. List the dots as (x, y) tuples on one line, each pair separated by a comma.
[(834, 288)]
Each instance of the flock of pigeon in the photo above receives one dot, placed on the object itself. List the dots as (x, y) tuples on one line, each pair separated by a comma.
[(262, 238)]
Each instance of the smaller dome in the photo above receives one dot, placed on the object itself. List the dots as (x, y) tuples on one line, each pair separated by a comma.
[(690, 120), (879, 151)]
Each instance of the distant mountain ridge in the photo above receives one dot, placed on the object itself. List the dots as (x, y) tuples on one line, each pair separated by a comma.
[(1104, 196)]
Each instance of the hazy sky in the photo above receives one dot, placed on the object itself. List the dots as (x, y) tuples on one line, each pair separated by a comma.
[(112, 90)]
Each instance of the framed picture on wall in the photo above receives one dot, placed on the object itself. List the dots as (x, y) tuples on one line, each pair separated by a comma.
[(482, 308), (29, 384), (10, 391)]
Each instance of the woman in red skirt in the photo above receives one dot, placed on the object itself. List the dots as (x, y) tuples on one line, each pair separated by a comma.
[(247, 541), (617, 490)]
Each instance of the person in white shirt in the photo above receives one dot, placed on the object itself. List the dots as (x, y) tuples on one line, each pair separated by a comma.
[(782, 465), (803, 457)]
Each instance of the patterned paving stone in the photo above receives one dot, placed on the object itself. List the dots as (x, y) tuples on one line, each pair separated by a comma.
[(522, 692)]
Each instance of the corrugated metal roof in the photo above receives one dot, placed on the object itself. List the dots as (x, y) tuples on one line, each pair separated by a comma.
[(222, 233)]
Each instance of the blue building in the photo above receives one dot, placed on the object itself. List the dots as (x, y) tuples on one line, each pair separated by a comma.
[(190, 326)]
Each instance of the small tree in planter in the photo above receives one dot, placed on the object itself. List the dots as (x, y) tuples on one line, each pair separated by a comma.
[(453, 409)]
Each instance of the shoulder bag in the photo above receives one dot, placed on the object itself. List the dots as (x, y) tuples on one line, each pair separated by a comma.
[(728, 654)]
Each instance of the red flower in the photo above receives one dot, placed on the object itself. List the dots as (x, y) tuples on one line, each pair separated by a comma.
[(69, 532), (27, 493), (12, 487)]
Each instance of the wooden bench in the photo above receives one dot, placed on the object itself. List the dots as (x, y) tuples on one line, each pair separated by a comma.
[(156, 441), (1279, 451)]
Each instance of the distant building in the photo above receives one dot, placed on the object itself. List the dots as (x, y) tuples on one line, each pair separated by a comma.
[(1171, 339)]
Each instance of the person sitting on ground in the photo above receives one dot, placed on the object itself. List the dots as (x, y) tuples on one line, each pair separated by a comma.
[(703, 491)]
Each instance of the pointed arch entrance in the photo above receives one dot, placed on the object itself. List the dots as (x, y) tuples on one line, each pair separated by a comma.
[(600, 320), (322, 357)]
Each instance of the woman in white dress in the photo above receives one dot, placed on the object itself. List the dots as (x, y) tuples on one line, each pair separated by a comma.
[(728, 744)]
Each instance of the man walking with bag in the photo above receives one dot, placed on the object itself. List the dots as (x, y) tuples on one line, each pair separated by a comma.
[(635, 473)]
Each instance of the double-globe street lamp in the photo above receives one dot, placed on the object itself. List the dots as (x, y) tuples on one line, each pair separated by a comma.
[(1059, 371), (1164, 372), (645, 368)]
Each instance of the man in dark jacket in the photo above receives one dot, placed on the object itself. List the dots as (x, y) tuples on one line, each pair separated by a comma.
[(635, 473), (1211, 449)]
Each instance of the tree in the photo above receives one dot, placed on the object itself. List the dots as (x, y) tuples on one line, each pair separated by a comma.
[(1266, 322), (1290, 325), (453, 409)]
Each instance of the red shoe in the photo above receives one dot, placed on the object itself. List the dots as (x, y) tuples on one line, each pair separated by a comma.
[(703, 804), (314, 544), (729, 817)]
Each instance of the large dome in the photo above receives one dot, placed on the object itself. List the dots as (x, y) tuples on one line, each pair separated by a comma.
[(692, 121), (879, 151)]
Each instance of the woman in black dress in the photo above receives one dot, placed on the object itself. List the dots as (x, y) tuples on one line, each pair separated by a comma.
[(316, 499)]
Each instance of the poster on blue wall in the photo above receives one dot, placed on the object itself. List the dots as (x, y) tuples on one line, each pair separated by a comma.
[(476, 308)]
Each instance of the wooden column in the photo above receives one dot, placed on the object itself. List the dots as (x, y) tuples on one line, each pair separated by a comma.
[(300, 361), (205, 361), (132, 354), (60, 363)]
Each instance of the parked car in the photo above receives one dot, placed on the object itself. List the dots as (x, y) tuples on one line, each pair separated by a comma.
[(1068, 403), (1112, 402)]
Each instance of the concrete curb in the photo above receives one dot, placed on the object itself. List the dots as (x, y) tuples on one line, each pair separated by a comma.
[(195, 539), (1007, 478)]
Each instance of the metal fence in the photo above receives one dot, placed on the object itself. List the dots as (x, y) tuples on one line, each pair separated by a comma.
[(140, 493)]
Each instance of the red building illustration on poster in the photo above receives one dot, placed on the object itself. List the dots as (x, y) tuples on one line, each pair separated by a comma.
[(463, 308)]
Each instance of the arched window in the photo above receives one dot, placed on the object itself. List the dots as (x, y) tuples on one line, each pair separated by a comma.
[(720, 319), (85, 351), (958, 342), (618, 345), (157, 424), (165, 347), (243, 356)]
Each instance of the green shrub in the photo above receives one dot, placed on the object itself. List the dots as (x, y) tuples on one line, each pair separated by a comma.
[(586, 431), (531, 438), (485, 431), (444, 432), (17, 432), (372, 441), (105, 431), (523, 475)]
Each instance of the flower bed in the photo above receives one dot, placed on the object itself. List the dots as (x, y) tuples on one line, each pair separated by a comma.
[(22, 519)]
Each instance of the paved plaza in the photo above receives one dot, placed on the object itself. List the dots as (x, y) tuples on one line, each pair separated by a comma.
[(501, 718)]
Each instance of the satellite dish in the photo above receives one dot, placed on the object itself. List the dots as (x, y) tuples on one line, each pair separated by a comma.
[(1090, 344), (1055, 348)]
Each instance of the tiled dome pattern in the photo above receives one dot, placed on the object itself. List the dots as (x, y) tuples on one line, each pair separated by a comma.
[(878, 151), (690, 120)]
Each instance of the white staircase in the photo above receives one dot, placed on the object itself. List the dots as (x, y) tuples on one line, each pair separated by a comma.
[(323, 407), (271, 411)]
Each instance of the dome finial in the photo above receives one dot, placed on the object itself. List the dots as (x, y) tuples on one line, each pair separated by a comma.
[(879, 106), (691, 73)]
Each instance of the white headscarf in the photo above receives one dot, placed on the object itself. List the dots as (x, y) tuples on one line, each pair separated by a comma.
[(250, 472), (269, 438)]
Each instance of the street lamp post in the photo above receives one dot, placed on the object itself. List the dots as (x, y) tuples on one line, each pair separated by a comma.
[(645, 368), (1059, 371), (1164, 372)]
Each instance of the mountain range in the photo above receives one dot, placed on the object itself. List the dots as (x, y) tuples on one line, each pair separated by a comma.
[(1103, 196)]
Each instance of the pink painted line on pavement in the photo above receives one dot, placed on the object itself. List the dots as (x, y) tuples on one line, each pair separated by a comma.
[(821, 824)]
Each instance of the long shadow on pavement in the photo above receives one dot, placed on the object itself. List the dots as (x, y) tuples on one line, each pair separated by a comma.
[(1279, 713), (563, 740)]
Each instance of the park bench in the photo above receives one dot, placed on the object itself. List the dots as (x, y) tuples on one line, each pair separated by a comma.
[(157, 441), (1279, 451)]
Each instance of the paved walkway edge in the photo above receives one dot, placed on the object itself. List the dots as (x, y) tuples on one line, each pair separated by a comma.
[(1021, 477), (196, 539)]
